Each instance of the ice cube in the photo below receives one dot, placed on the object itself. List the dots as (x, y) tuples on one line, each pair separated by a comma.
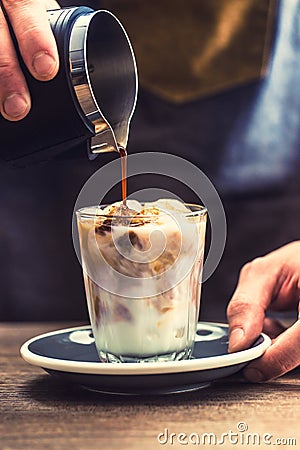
[(170, 204), (134, 204)]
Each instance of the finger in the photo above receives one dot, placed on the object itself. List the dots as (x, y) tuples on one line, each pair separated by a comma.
[(14, 95), (246, 310), (280, 358), (35, 39), (273, 327), (51, 4)]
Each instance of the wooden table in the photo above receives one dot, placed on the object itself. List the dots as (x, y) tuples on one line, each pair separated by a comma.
[(40, 412)]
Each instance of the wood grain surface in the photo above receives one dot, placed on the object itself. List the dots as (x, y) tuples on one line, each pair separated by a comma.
[(40, 412)]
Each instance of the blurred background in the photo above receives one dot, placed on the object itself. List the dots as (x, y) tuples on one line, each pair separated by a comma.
[(219, 86)]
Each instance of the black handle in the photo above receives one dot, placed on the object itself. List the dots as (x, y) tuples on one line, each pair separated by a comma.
[(55, 122)]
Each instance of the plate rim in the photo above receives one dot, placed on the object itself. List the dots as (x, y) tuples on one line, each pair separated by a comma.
[(149, 368)]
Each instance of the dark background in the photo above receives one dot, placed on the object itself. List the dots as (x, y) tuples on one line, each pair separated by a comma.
[(40, 277)]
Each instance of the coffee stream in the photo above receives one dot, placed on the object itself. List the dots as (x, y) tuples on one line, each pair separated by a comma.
[(123, 210), (123, 155)]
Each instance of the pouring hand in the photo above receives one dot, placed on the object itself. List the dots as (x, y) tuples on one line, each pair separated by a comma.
[(38, 49), (269, 282)]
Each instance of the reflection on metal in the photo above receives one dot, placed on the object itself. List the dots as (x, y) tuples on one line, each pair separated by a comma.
[(103, 73)]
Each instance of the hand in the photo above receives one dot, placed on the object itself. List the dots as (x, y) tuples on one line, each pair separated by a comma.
[(270, 282), (38, 49)]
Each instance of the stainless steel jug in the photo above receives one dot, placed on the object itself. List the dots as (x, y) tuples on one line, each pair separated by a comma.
[(90, 101)]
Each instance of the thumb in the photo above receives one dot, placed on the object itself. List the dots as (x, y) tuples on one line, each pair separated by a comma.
[(246, 310), (245, 324)]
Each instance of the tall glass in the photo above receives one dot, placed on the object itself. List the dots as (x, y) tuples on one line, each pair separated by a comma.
[(142, 278)]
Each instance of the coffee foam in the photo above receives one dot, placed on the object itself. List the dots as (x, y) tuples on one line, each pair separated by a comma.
[(149, 252)]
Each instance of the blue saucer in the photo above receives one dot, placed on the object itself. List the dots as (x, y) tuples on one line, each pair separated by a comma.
[(71, 355)]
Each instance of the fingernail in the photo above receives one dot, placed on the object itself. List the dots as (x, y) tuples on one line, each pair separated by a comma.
[(15, 105), (253, 375), (43, 64), (235, 338)]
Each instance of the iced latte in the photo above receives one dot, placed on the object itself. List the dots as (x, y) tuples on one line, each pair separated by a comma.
[(142, 266)]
